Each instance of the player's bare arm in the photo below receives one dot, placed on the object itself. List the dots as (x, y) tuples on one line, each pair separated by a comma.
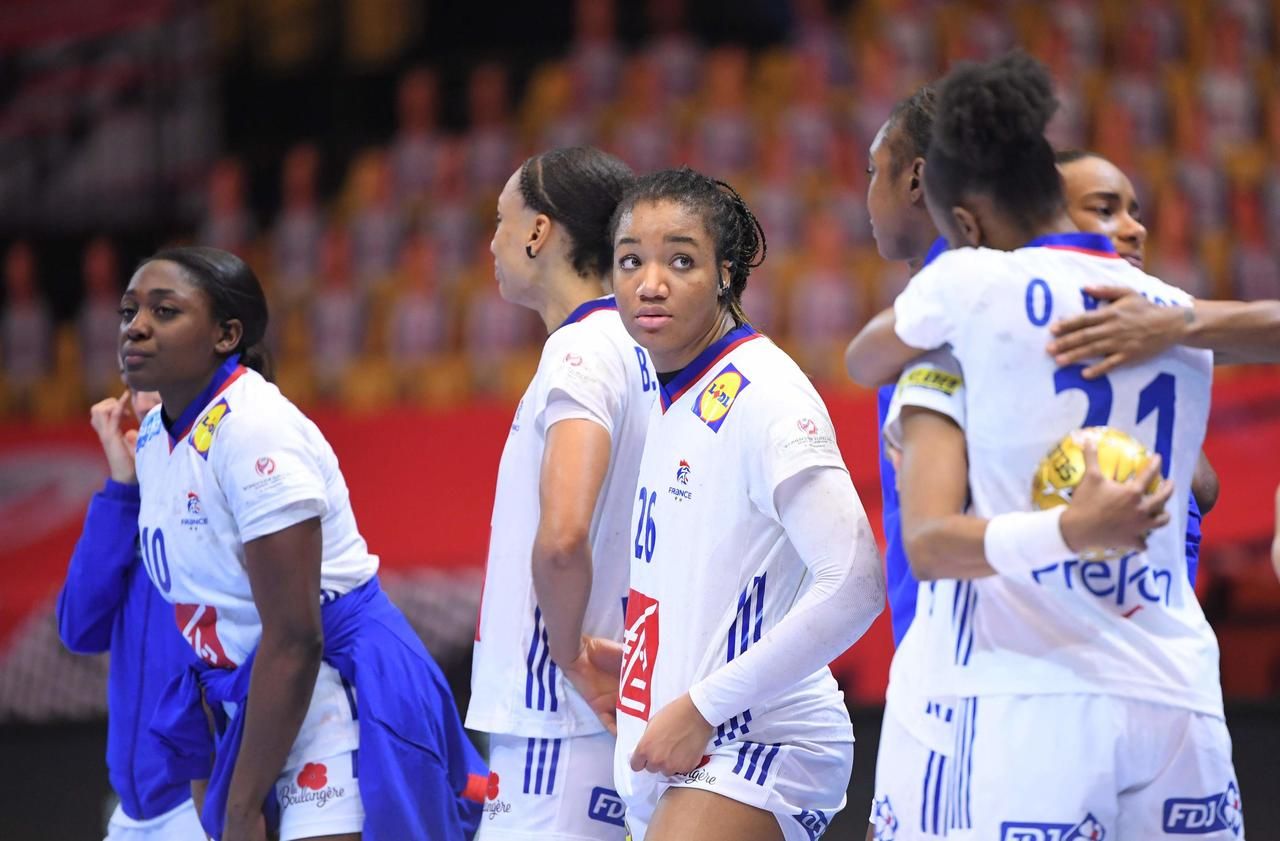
[(574, 465), (942, 542), (1204, 485), (876, 356), (284, 574), (1130, 329)]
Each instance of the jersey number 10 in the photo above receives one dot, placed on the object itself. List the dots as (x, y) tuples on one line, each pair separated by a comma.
[(155, 559)]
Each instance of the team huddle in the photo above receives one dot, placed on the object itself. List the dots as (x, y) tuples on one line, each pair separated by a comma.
[(677, 548)]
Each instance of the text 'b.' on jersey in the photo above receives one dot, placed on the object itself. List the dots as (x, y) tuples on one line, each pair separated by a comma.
[(590, 370)]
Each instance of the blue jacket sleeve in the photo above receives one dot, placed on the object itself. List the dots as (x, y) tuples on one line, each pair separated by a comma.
[(98, 576)]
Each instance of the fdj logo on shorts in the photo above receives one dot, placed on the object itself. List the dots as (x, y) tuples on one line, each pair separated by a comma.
[(715, 401), (1089, 829), (606, 806), (1203, 815), (814, 822)]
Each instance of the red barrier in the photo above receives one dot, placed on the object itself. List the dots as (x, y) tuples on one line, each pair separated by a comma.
[(422, 487)]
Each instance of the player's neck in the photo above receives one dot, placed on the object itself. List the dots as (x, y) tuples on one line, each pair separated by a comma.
[(564, 295)]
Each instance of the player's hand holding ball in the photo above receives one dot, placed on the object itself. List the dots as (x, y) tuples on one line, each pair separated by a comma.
[(1113, 490), (595, 675), (674, 741)]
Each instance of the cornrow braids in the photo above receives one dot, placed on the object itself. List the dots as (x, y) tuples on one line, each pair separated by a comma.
[(913, 117), (737, 235), (578, 187)]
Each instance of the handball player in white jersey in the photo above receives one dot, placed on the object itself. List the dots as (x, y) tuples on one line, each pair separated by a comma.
[(556, 578), (752, 561), (1088, 689), (331, 719)]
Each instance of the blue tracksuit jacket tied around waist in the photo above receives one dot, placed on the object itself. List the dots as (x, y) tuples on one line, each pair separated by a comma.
[(415, 759), (109, 604)]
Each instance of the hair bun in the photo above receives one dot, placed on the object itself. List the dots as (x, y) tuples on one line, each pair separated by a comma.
[(989, 113)]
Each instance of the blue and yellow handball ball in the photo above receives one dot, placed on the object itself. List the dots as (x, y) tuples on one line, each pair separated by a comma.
[(1120, 456)]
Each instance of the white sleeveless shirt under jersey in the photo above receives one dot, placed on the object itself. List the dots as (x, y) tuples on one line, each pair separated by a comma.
[(241, 463), (1131, 627), (712, 570), (590, 369)]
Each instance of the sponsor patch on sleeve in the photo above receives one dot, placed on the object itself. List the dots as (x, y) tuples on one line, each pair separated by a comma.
[(932, 378)]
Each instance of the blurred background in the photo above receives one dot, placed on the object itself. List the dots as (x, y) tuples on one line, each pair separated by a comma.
[(352, 152)]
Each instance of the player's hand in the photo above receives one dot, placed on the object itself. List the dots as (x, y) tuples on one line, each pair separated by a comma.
[(1105, 513), (674, 741), (1129, 328), (595, 674), (106, 417)]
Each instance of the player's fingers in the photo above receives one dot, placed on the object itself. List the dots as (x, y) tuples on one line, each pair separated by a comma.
[(1161, 519), (131, 439), (1109, 293), (638, 758), (1069, 327), (610, 722), (1090, 452), (1106, 366), (1144, 477), (1157, 501)]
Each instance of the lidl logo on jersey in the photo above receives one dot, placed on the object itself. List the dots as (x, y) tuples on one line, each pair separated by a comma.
[(933, 379), (1089, 829), (1205, 815), (639, 652), (606, 806), (814, 822), (202, 434), (715, 401)]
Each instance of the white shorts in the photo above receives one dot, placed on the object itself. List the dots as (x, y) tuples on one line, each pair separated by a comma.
[(1074, 767), (917, 795), (181, 823), (553, 789), (803, 784), (319, 791)]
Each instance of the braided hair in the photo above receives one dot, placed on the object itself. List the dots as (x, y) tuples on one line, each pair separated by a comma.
[(735, 231), (988, 137), (578, 187), (914, 116)]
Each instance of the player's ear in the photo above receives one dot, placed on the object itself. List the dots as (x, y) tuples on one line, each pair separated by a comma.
[(228, 337), (968, 224), (915, 186), (538, 237)]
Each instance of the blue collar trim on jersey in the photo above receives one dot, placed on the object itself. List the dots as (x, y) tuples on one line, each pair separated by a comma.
[(940, 246), (608, 302), (188, 417), (694, 371), (1099, 244)]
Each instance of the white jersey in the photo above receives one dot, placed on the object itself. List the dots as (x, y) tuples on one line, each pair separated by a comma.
[(241, 463), (935, 382), (590, 369), (712, 569), (1132, 627)]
